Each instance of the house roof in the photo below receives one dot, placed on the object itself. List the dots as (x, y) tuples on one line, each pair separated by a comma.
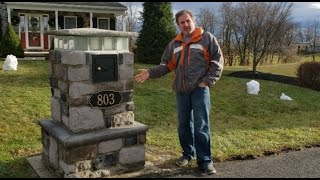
[(109, 4), (96, 7)]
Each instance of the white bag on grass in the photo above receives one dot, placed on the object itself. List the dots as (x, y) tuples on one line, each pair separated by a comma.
[(285, 97), (10, 63), (253, 87)]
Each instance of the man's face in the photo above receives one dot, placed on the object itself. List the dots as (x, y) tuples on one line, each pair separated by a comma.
[(186, 24)]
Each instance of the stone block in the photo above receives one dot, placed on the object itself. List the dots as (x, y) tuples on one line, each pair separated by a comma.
[(50, 68), (125, 72), (76, 73), (64, 108), (79, 153), (121, 119), (112, 85), (130, 141), (60, 71), (109, 112), (57, 55), (53, 82), (104, 161), (85, 118), (64, 87), (142, 138), (67, 168), (128, 58), (77, 101), (56, 93), (132, 154), (71, 57), (127, 96), (83, 165), (129, 84), (45, 140), (130, 106), (53, 153), (79, 89), (51, 56), (65, 120), (109, 146), (56, 109)]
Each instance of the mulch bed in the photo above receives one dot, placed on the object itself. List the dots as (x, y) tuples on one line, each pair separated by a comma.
[(266, 76)]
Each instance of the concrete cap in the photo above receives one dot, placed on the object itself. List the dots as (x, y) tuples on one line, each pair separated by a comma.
[(92, 32)]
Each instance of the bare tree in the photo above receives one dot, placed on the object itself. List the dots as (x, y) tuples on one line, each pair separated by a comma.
[(308, 33), (206, 18), (130, 18), (315, 27), (242, 30), (267, 22), (227, 28)]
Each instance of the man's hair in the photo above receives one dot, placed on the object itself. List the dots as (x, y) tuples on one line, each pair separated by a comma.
[(178, 14)]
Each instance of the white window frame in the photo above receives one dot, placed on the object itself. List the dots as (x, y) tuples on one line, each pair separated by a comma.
[(98, 18), (64, 21), (20, 25), (27, 15), (48, 21)]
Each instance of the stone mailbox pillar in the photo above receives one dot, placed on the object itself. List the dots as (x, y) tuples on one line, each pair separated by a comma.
[(92, 131)]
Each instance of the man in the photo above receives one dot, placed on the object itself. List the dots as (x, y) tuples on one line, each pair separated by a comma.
[(196, 59)]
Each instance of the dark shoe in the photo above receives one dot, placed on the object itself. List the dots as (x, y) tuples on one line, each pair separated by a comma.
[(208, 169), (182, 161)]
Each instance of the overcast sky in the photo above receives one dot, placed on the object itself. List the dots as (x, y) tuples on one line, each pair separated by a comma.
[(302, 12)]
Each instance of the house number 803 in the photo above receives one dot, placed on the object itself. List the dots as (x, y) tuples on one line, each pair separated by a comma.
[(106, 99)]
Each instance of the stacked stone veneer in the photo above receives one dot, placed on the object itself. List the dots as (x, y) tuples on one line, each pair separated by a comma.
[(71, 88), (84, 141)]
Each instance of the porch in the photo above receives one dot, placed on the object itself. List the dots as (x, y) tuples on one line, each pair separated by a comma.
[(35, 55), (31, 20)]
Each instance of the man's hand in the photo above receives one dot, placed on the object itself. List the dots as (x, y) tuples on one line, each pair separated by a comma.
[(142, 76), (202, 84)]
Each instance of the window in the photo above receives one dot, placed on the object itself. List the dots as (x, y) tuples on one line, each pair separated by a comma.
[(45, 23), (22, 27), (70, 22), (34, 23), (103, 23)]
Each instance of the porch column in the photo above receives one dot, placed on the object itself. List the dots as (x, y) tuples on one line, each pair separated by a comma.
[(56, 18), (9, 15), (91, 23), (123, 23)]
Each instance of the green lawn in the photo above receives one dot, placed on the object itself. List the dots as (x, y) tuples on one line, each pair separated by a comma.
[(241, 124)]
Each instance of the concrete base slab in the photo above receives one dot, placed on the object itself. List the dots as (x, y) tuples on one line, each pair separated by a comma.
[(38, 166), (31, 58)]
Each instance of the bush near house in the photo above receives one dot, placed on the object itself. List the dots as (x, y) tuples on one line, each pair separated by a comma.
[(11, 43), (309, 74)]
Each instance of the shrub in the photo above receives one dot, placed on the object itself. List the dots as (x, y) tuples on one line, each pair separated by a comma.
[(11, 43), (309, 75)]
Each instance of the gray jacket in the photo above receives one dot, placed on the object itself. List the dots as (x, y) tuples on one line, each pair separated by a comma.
[(198, 60)]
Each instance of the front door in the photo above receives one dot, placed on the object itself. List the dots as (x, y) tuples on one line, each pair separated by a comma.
[(34, 35)]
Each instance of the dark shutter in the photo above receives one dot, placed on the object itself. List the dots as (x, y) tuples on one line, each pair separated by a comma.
[(94, 21), (79, 22), (112, 24), (61, 22)]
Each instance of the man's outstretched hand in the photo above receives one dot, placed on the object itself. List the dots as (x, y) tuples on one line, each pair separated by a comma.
[(142, 75)]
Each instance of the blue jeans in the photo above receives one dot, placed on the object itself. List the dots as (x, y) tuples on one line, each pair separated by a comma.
[(193, 124)]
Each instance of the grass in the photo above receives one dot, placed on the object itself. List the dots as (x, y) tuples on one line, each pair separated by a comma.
[(241, 124)]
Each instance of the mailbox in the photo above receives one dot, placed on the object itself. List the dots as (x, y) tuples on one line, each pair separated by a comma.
[(104, 68), (91, 79)]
